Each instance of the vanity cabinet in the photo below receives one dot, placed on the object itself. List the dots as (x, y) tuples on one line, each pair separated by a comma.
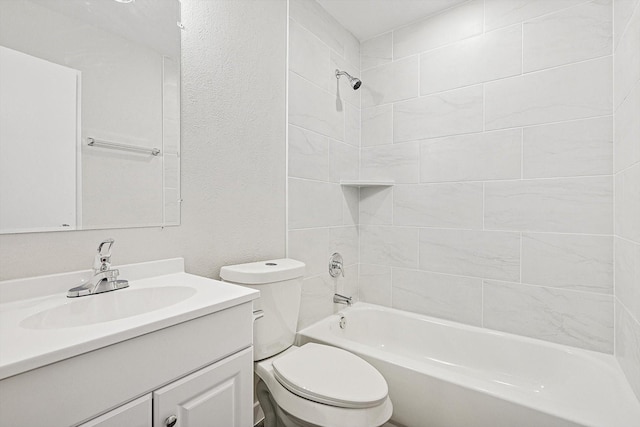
[(219, 395), (133, 414), (189, 370)]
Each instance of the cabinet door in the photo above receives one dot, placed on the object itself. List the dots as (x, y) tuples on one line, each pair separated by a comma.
[(134, 414), (219, 395)]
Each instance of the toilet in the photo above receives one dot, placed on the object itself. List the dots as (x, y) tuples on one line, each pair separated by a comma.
[(311, 385)]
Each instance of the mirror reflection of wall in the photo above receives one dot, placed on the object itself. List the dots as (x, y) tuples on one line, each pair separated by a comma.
[(114, 69)]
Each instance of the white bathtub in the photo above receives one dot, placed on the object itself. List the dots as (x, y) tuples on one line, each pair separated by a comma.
[(445, 374)]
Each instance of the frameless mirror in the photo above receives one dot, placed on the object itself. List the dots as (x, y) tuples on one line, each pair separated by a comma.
[(89, 114)]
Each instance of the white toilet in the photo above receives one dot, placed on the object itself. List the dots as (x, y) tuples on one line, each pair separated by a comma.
[(312, 385)]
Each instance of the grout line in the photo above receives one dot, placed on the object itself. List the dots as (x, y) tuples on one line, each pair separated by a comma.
[(626, 240), (501, 281)]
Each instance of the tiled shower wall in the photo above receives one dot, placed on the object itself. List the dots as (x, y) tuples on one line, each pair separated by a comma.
[(627, 186), (495, 119), (324, 143)]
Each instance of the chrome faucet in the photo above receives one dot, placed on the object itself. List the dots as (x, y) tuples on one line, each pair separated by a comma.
[(341, 299), (104, 278)]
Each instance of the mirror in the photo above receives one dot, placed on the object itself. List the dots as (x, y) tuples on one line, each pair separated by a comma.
[(89, 114)]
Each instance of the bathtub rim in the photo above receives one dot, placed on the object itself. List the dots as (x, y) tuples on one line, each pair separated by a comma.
[(319, 333)]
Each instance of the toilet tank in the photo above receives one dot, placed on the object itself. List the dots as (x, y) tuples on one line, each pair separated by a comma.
[(280, 284)]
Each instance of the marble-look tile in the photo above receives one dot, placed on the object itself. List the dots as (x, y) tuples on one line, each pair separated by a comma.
[(344, 240), (628, 203), (352, 125), (491, 56), (310, 246), (376, 206), (485, 254), (474, 157), (350, 209), (456, 205), (439, 295), (314, 204), (377, 125), (312, 108), (627, 60), (341, 88), (570, 92), (351, 49), (434, 31), (308, 56), (627, 131), (343, 161), (569, 205), (579, 319), (622, 13), (399, 162), (375, 284), (627, 266), (628, 346), (579, 148), (308, 154), (390, 82), (390, 246), (316, 19), (500, 13), (448, 113), (576, 34), (570, 261), (316, 301), (376, 51)]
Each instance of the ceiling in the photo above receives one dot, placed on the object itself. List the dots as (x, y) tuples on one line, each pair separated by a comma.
[(368, 18)]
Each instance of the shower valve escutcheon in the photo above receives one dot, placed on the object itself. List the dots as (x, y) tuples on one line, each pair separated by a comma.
[(336, 265)]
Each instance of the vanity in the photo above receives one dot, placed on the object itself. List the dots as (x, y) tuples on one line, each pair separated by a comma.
[(172, 349)]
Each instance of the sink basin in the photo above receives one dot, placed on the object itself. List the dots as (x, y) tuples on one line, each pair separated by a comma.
[(107, 307)]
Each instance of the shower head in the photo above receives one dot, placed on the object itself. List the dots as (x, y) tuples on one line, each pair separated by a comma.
[(353, 81)]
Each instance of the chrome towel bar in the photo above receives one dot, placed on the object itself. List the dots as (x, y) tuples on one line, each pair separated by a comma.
[(92, 142)]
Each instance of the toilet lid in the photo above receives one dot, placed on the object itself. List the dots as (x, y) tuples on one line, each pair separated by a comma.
[(331, 376)]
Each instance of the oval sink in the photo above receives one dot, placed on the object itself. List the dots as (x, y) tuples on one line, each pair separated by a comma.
[(107, 307)]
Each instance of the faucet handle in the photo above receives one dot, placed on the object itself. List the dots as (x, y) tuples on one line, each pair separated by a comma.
[(102, 261), (336, 265)]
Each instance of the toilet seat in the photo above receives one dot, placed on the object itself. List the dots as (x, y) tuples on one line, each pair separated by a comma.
[(331, 376), (314, 413)]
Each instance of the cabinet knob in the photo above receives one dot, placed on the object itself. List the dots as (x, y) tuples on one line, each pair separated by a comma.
[(171, 421)]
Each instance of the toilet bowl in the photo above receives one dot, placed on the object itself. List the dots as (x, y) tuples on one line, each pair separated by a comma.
[(311, 385)]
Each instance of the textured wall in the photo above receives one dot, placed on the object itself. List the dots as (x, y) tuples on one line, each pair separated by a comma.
[(627, 186), (495, 119), (233, 154), (324, 141)]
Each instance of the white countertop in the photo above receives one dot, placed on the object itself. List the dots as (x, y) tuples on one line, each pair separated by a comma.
[(25, 348)]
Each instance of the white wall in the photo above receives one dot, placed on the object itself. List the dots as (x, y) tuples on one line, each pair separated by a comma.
[(324, 141), (233, 154), (627, 186)]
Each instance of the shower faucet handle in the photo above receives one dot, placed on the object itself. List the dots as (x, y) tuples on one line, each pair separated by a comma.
[(336, 265)]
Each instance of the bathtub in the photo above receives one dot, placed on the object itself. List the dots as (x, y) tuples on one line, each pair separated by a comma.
[(445, 374)]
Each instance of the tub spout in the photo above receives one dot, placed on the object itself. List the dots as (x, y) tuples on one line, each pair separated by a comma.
[(341, 299)]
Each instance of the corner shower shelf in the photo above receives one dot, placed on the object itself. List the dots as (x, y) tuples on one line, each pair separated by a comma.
[(367, 183)]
